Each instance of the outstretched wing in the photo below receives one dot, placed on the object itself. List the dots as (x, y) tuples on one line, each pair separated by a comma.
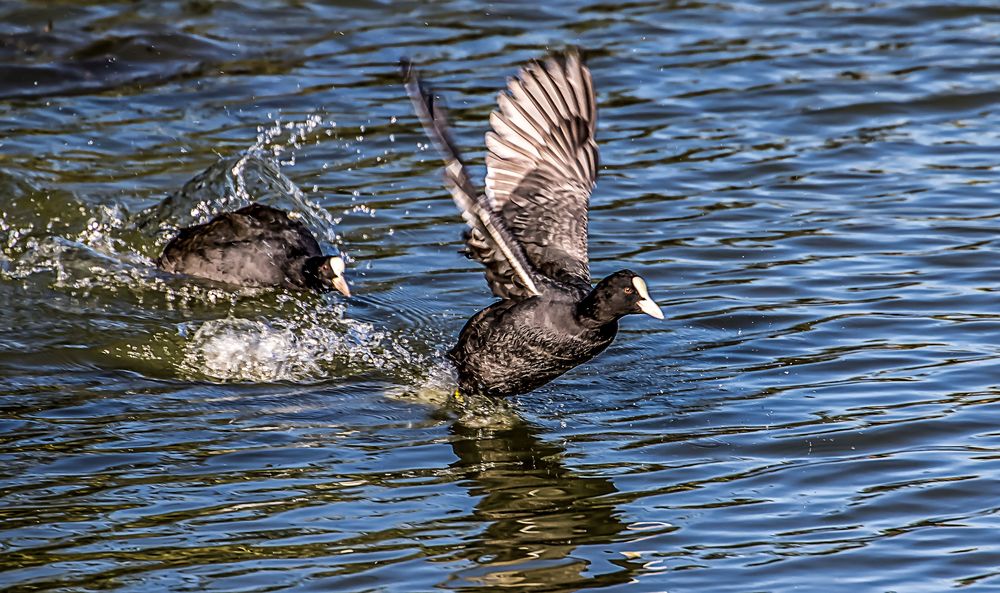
[(542, 163), (509, 273)]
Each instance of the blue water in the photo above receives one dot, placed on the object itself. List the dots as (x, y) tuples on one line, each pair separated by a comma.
[(810, 189)]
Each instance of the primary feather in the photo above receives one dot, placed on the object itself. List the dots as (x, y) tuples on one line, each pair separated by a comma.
[(509, 271), (542, 163)]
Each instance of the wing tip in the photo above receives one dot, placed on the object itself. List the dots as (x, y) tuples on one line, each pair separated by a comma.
[(415, 86), (431, 110), (405, 67)]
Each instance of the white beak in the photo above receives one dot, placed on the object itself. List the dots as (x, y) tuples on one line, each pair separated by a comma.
[(646, 305), (341, 284)]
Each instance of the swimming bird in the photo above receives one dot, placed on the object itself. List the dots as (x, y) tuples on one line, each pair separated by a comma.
[(254, 246), (529, 228)]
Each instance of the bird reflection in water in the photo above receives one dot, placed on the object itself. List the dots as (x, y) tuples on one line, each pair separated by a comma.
[(538, 513)]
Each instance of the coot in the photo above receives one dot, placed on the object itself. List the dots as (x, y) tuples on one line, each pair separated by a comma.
[(254, 246), (530, 231)]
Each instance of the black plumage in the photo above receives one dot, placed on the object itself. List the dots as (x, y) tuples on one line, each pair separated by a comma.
[(254, 246), (529, 228)]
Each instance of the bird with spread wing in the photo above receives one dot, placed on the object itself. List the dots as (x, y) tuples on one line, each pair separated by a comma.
[(529, 228)]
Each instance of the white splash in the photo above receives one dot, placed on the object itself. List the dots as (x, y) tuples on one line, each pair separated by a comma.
[(308, 347)]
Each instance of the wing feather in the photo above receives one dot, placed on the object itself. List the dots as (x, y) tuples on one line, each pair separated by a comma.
[(509, 273), (543, 163)]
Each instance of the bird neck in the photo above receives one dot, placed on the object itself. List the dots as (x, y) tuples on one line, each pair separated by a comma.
[(593, 311), (310, 272)]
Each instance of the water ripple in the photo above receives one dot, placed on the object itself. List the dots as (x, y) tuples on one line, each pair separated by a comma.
[(808, 187)]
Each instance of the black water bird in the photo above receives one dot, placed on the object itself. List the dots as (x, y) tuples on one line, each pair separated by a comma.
[(254, 246), (530, 231)]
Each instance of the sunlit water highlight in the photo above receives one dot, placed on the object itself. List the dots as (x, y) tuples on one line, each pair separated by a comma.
[(809, 188)]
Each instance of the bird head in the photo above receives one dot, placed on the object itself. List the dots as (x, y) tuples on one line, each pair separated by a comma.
[(620, 294), (330, 274)]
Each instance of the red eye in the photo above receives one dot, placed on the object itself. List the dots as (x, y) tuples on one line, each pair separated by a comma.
[(629, 290)]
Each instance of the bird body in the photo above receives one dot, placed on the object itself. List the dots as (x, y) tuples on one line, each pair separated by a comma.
[(540, 338), (529, 229), (254, 246)]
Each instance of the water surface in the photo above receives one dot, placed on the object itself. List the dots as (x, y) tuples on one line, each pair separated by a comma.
[(810, 189)]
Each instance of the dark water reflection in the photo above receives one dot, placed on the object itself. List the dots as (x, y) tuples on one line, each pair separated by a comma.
[(809, 187), (536, 512)]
